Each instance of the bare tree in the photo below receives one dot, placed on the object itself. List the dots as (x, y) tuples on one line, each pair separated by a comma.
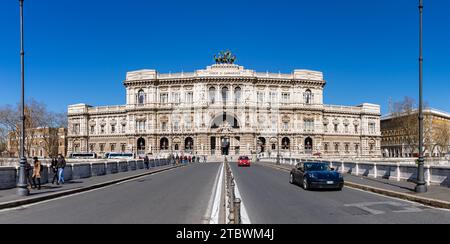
[(405, 118), (441, 137), (3, 140), (37, 119)]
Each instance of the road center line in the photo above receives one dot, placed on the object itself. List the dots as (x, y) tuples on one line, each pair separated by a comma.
[(217, 195)]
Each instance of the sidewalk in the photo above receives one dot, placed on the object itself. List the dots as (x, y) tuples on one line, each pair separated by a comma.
[(9, 199), (437, 196)]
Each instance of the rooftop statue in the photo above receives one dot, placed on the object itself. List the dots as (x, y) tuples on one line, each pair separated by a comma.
[(225, 57)]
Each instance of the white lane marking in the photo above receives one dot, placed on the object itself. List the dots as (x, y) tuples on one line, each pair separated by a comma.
[(244, 214), (404, 208), (74, 195), (373, 193), (135, 179), (399, 199), (215, 213)]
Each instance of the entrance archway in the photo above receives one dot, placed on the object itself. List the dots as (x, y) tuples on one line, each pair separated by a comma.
[(225, 145), (309, 145), (189, 144), (141, 146), (262, 144), (164, 144), (286, 143)]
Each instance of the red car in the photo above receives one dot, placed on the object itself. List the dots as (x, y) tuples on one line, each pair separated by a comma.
[(244, 161)]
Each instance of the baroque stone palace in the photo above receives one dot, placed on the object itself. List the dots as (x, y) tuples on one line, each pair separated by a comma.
[(226, 109)]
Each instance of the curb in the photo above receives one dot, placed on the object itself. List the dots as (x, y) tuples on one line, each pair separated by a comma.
[(404, 196), (18, 203)]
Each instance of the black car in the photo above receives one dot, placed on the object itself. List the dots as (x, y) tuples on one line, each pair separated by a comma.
[(316, 176)]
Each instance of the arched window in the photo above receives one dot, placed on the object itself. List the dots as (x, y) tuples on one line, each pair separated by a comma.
[(189, 144), (212, 95), (225, 94), (141, 97), (262, 144), (164, 144), (308, 96), (286, 143), (237, 95), (308, 145)]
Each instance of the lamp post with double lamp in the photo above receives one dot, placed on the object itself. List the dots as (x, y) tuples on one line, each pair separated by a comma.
[(421, 184), (22, 186)]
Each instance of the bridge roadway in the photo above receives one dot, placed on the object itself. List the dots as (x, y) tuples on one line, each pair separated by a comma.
[(182, 196)]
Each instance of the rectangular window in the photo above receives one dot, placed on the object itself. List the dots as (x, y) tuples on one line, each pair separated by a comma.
[(187, 122), (123, 128), (164, 126), (286, 125), (123, 147), (260, 98), (325, 128), (176, 98), (273, 97), (91, 147), (189, 98), (102, 129), (92, 129), (356, 129), (336, 128), (113, 129), (357, 148), (336, 148), (325, 147), (346, 128), (76, 129), (164, 98), (102, 147), (113, 147), (347, 148), (140, 126), (286, 98), (176, 125), (372, 128), (309, 125)]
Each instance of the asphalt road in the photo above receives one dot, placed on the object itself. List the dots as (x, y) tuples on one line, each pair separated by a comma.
[(270, 199), (178, 196)]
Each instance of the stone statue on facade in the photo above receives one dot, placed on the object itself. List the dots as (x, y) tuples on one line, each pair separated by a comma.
[(225, 57)]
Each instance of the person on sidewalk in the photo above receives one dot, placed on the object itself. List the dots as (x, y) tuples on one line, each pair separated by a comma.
[(55, 171), (38, 168), (28, 174), (146, 162), (61, 165)]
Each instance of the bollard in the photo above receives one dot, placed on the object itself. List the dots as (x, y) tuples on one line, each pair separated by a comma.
[(232, 196), (237, 211), (231, 219)]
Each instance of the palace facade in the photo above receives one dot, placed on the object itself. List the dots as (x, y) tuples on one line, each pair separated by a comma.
[(226, 109)]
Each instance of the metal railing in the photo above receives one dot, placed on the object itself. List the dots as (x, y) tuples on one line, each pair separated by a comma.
[(234, 203)]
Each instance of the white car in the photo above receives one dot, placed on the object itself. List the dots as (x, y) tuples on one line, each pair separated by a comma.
[(120, 155)]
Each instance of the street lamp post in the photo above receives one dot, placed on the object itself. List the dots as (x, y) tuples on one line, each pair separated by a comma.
[(278, 149), (22, 186), (421, 184)]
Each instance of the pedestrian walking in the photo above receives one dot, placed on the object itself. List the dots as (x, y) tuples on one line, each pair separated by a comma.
[(146, 162), (37, 170), (55, 171), (61, 165), (28, 174)]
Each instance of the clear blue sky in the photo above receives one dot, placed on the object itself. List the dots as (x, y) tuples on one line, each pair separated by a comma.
[(78, 51)]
